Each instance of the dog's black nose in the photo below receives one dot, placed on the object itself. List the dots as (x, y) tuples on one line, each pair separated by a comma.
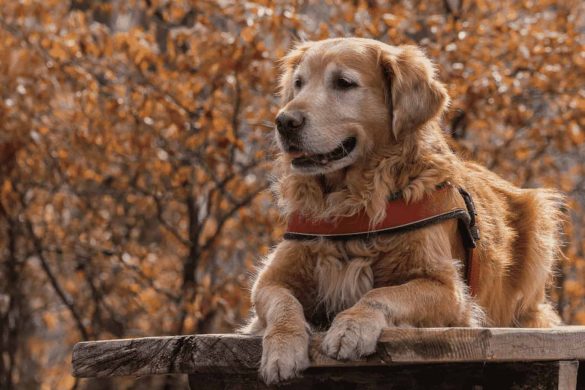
[(288, 123)]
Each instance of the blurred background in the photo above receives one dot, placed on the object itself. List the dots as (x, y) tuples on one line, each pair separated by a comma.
[(135, 148)]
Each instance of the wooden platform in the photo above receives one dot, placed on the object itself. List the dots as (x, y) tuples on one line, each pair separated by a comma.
[(406, 358)]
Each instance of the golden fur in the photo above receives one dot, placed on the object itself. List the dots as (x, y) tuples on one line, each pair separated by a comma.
[(356, 288)]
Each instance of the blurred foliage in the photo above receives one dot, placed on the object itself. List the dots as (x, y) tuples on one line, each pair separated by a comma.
[(135, 140)]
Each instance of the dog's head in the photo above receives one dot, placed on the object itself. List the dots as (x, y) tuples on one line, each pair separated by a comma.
[(344, 98)]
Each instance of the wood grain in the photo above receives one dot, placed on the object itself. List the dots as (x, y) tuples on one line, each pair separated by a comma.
[(237, 354)]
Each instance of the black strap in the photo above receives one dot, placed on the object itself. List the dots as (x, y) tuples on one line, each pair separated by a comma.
[(469, 230)]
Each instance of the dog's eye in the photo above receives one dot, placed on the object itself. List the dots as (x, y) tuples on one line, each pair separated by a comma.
[(298, 83), (343, 83)]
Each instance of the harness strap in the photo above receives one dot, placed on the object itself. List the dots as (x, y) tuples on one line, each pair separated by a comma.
[(470, 234), (447, 202)]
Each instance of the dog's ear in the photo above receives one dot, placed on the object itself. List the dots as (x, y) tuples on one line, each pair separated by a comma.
[(413, 93), (287, 67)]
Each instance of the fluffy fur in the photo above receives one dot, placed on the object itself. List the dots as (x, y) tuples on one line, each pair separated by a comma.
[(356, 288)]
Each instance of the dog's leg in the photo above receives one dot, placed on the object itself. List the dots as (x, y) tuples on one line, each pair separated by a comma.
[(420, 302), (285, 346)]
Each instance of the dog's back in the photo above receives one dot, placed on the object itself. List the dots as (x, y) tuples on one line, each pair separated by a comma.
[(518, 250)]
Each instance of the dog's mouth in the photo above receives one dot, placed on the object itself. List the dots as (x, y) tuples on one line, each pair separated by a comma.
[(304, 160)]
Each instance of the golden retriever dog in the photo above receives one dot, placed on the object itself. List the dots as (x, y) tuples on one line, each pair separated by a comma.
[(359, 123)]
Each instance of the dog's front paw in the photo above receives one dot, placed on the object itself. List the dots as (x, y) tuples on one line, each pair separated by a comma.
[(284, 356), (351, 337)]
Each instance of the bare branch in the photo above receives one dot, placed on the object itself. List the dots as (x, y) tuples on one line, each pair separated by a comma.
[(63, 296), (225, 217)]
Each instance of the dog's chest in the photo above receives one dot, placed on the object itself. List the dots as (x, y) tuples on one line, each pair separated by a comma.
[(341, 283), (345, 272)]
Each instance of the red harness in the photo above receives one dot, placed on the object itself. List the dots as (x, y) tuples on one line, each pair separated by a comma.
[(447, 202)]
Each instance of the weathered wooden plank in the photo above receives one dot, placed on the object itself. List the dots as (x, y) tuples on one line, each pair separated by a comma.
[(429, 345), (567, 375), (241, 354), (163, 355)]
